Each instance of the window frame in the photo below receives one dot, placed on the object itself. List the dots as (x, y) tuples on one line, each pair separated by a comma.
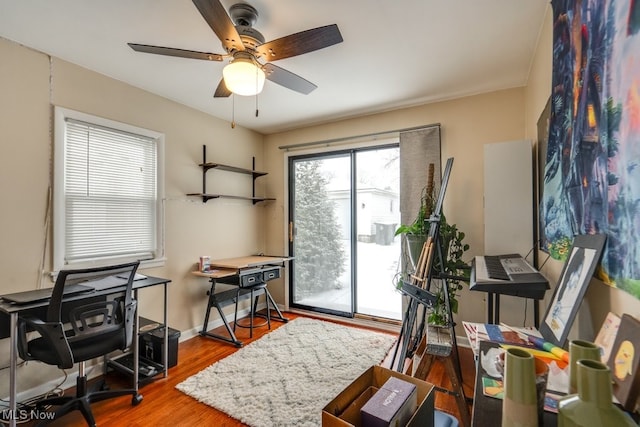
[(59, 207)]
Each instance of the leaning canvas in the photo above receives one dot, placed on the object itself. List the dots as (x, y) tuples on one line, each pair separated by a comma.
[(568, 294), (624, 362)]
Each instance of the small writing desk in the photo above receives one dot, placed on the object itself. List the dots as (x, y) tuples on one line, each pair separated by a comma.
[(245, 273), (110, 288)]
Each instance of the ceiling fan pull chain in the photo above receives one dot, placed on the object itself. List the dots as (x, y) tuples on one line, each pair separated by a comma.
[(257, 91), (257, 105), (233, 111)]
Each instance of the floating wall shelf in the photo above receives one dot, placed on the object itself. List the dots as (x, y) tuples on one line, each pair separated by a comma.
[(206, 166)]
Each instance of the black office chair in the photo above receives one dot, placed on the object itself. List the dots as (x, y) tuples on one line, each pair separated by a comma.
[(97, 328)]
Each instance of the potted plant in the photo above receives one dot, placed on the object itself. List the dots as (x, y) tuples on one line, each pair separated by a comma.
[(455, 270), (415, 234)]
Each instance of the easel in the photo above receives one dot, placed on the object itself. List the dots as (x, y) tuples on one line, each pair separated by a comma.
[(436, 344)]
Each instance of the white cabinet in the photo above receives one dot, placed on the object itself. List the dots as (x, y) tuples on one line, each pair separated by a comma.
[(508, 198)]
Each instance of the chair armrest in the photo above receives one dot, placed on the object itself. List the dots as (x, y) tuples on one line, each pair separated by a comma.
[(52, 333), (129, 315)]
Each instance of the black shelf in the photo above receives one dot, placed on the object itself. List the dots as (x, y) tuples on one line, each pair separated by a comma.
[(206, 166), (220, 166), (124, 365), (207, 197)]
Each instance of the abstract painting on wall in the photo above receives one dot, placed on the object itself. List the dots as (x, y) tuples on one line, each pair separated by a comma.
[(592, 171)]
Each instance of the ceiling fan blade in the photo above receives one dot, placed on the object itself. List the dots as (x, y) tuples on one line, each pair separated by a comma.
[(299, 43), (216, 16), (288, 79), (170, 51), (221, 90)]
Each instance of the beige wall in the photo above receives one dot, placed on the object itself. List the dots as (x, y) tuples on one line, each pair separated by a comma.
[(30, 85), (600, 298), (467, 124), (219, 228)]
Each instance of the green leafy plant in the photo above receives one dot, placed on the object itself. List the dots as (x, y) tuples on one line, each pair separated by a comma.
[(420, 226), (451, 239), (455, 270)]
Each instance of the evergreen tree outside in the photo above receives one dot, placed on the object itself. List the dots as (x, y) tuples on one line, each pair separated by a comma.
[(319, 255)]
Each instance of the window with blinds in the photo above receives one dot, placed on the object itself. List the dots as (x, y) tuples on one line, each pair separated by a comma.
[(107, 199)]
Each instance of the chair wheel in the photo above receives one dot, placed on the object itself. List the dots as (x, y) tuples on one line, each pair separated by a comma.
[(136, 399)]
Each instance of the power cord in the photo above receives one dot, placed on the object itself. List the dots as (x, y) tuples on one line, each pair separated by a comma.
[(8, 366), (545, 261), (26, 407)]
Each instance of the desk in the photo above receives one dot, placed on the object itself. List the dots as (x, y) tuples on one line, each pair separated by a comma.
[(487, 411), (243, 272), (14, 310)]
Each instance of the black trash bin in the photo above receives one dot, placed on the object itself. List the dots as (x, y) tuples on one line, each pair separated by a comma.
[(384, 233)]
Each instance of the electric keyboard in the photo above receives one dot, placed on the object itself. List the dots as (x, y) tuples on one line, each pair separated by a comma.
[(507, 274)]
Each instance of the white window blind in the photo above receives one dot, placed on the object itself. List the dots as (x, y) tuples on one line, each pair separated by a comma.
[(110, 194)]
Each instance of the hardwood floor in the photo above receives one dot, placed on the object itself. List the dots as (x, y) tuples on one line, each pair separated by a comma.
[(164, 405)]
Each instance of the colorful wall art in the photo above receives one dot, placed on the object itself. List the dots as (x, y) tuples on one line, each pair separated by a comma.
[(592, 171)]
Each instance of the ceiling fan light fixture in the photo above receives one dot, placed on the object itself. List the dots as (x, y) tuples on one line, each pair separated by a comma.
[(243, 77)]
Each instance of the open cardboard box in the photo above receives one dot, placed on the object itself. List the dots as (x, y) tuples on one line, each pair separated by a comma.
[(344, 409)]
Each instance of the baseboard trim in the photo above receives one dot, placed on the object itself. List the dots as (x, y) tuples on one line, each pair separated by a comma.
[(97, 369), (60, 382)]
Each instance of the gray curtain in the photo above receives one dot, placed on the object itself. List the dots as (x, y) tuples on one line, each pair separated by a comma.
[(418, 148)]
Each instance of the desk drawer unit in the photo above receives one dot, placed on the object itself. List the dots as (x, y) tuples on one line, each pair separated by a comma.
[(248, 278), (255, 276), (270, 273)]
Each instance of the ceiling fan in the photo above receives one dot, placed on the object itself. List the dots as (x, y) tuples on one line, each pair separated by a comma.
[(246, 47)]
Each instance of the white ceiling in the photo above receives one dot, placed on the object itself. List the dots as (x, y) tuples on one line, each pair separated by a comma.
[(395, 53)]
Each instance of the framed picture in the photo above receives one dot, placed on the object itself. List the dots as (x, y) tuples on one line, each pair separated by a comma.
[(541, 156), (574, 280), (623, 362)]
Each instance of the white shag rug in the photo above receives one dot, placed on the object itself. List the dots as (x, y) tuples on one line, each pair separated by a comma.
[(286, 377)]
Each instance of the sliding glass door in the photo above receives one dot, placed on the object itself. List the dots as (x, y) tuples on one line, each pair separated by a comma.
[(343, 211)]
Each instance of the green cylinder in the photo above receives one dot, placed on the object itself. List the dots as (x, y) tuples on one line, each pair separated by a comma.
[(519, 407), (592, 406), (580, 349)]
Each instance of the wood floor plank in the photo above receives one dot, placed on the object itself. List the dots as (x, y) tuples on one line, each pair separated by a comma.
[(163, 405)]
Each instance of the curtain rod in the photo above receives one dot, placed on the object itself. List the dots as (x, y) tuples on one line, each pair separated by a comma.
[(347, 138)]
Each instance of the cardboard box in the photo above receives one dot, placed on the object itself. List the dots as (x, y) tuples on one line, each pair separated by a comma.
[(344, 409), (392, 405), (352, 414)]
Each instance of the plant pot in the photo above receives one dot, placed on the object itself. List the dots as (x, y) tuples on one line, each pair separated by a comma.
[(592, 405), (413, 244)]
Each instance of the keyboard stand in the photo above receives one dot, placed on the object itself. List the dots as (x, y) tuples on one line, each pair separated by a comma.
[(534, 290), (493, 309)]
